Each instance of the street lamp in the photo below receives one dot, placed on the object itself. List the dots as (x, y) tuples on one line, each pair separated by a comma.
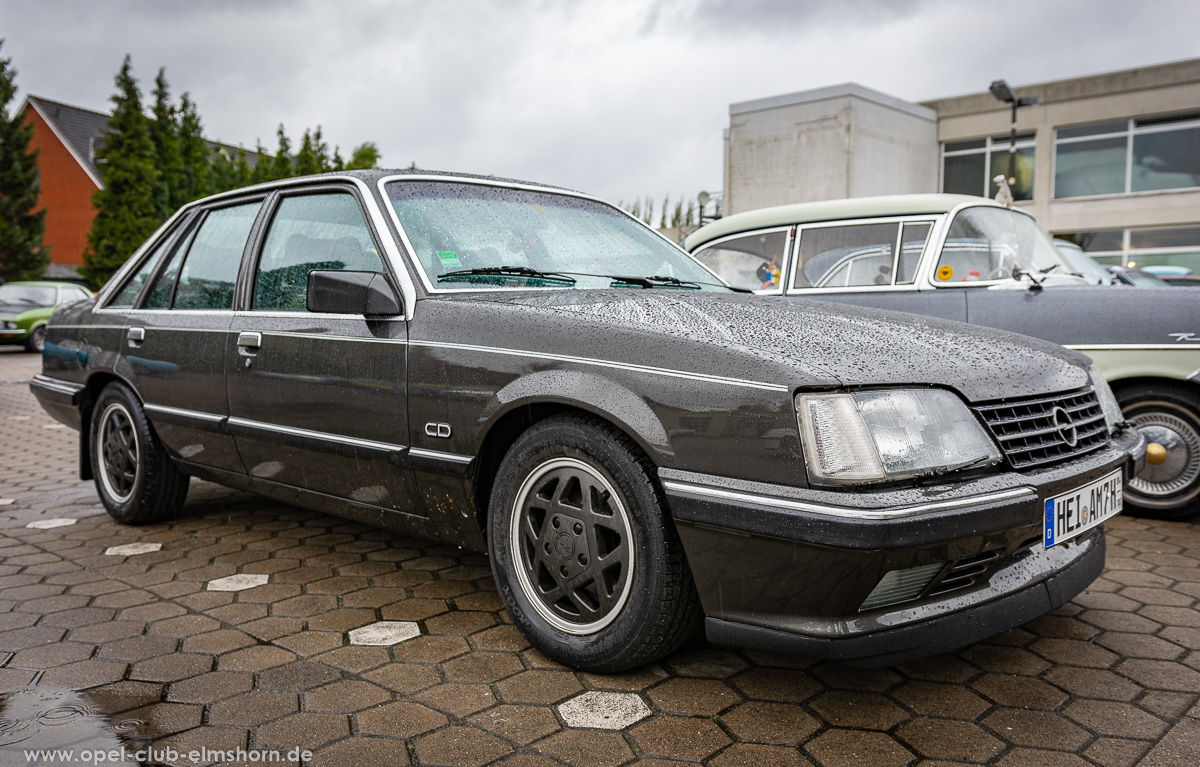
[(1001, 90), (704, 198)]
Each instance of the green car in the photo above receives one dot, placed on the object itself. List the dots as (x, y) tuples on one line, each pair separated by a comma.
[(25, 308)]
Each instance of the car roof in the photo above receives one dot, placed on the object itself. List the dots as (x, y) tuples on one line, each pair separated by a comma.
[(47, 284), (833, 210)]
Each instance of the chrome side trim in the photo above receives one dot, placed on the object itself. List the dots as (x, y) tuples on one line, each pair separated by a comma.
[(176, 411), (437, 455), (317, 435), (1194, 376), (845, 512), (58, 385), (606, 364), (326, 337), (1129, 347)]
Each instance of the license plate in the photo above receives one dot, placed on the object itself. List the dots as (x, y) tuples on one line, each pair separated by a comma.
[(1083, 508)]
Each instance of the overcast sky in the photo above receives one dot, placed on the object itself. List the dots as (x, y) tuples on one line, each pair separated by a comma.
[(619, 98)]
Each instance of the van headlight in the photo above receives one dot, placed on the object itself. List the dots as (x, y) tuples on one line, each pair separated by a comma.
[(890, 434), (1108, 401)]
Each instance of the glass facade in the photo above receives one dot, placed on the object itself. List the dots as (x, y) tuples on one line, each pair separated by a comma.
[(1127, 156), (1157, 246), (968, 167)]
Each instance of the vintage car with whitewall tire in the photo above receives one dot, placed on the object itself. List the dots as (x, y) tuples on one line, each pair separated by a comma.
[(530, 372), (973, 260)]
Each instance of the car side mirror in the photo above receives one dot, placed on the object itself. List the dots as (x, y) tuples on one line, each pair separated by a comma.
[(344, 292)]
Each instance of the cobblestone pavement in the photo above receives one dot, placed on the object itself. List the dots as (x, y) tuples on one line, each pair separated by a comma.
[(147, 641)]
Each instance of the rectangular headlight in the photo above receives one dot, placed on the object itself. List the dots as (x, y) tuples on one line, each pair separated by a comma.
[(890, 434)]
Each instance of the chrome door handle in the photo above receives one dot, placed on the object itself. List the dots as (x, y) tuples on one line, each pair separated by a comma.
[(249, 340), (136, 336)]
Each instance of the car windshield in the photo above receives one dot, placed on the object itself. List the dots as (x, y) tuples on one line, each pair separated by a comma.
[(988, 243), (27, 295), (477, 236), (1083, 264)]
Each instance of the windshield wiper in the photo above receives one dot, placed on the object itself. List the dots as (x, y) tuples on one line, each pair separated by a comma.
[(660, 281), (1035, 280), (939, 471), (509, 271)]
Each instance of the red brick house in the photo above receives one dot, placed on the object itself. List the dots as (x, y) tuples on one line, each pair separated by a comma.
[(66, 136)]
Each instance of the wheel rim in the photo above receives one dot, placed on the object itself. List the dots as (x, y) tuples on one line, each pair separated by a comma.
[(1169, 481), (572, 546), (39, 339), (119, 451)]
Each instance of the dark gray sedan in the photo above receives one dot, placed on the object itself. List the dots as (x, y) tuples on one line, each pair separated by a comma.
[(531, 372)]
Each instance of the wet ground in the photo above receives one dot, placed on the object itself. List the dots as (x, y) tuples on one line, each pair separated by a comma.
[(248, 624)]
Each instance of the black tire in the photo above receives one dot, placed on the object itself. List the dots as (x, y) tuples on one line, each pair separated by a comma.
[(137, 482), (1170, 416), (36, 341), (584, 554)]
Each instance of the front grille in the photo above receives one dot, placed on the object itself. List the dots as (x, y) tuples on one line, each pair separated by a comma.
[(964, 572), (1030, 436)]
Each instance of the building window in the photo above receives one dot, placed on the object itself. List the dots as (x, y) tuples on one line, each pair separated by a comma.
[(1127, 156), (968, 167), (1159, 246)]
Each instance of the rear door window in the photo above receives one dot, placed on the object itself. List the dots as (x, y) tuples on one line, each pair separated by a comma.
[(211, 266), (854, 255)]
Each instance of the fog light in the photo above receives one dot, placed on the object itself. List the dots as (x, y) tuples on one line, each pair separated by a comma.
[(901, 586)]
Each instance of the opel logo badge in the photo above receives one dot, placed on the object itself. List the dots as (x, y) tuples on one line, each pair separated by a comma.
[(564, 546), (1066, 427)]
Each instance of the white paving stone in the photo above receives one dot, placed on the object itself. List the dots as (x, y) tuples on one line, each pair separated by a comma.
[(604, 710), (6, 501), (384, 633), (46, 524), (239, 582), (129, 549)]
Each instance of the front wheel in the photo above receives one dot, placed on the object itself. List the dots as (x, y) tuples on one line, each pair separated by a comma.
[(582, 550), (1169, 418), (36, 341), (136, 480)]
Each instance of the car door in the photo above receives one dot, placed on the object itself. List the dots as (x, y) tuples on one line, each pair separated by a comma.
[(318, 401), (176, 339), (870, 263)]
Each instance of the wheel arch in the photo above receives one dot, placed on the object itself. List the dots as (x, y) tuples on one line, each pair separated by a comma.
[(535, 398), (86, 402)]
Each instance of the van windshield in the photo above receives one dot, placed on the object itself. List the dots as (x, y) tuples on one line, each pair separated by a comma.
[(986, 244)]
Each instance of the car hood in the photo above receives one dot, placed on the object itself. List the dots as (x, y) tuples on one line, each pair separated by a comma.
[(13, 311), (798, 343)]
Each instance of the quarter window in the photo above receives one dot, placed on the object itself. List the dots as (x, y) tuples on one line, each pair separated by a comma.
[(211, 265), (1127, 156), (318, 231), (133, 286), (751, 262), (845, 256)]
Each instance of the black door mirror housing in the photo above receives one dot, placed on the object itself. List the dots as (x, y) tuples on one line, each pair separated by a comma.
[(345, 292)]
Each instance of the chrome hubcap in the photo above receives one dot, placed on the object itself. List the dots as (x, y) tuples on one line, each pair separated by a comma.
[(1181, 467), (118, 448), (572, 546)]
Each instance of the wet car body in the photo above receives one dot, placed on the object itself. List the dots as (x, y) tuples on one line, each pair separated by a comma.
[(914, 253), (411, 418)]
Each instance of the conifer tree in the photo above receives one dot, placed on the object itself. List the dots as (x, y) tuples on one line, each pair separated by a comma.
[(197, 159), (164, 131), (282, 166), (241, 170), (222, 171), (364, 157), (337, 163), (307, 161), (126, 211), (262, 164), (22, 256)]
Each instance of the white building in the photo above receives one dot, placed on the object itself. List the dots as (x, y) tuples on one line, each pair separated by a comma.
[(1111, 161)]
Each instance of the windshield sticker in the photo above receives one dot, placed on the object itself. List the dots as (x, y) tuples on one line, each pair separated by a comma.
[(945, 272), (449, 259)]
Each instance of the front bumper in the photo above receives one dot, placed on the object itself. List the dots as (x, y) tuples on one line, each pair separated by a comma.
[(785, 568)]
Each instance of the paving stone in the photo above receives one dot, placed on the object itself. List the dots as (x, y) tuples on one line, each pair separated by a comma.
[(538, 686), (1020, 691), (1044, 729), (844, 708), (402, 719), (1121, 720), (253, 708), (349, 695), (751, 755), (941, 700), (132, 549), (240, 582), (679, 737), (460, 747), (362, 751), (850, 748), (943, 739), (49, 656), (459, 700), (775, 685), (770, 723), (384, 633), (210, 687), (302, 730), (256, 658), (518, 724), (82, 675), (1116, 752), (1093, 683), (603, 710)]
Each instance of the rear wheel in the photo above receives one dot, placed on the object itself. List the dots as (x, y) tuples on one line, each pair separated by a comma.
[(1169, 417), (585, 557), (136, 480)]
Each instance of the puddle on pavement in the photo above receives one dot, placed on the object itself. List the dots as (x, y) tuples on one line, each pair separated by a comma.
[(51, 721)]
